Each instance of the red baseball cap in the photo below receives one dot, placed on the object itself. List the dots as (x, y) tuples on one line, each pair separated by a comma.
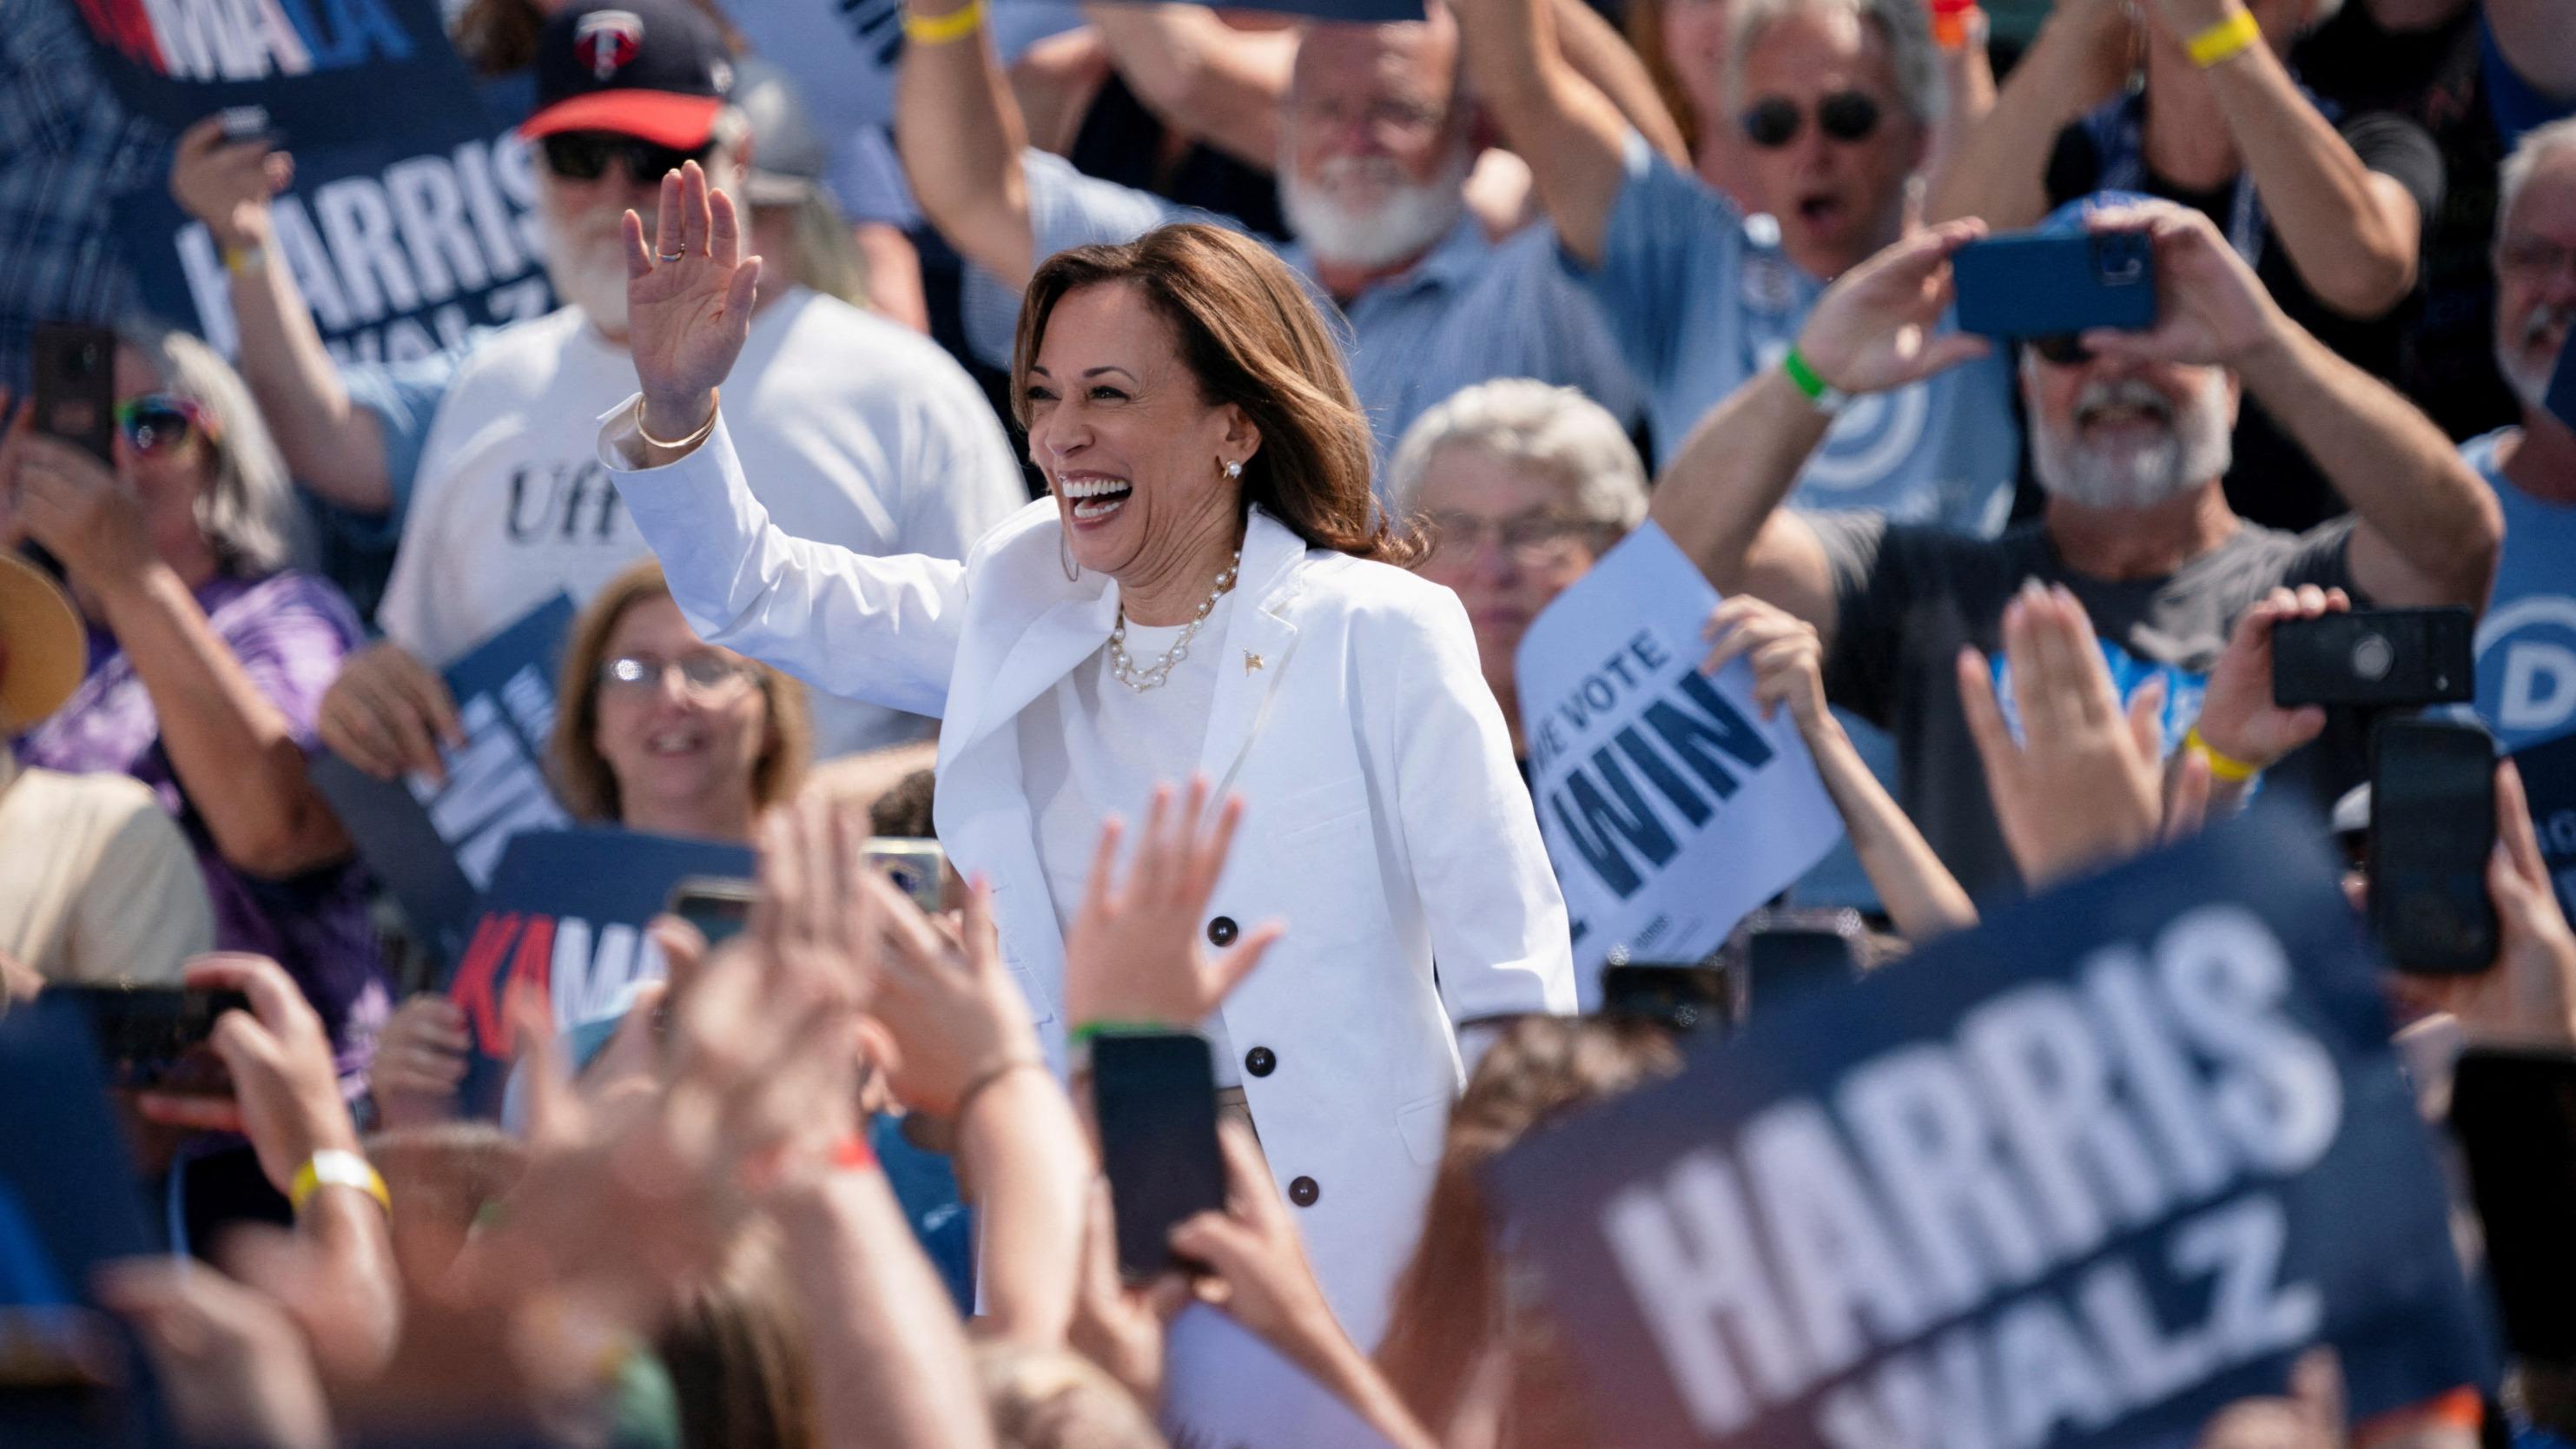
[(654, 69)]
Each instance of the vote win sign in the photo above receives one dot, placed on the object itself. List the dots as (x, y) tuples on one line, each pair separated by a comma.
[(2077, 1178), (1669, 805)]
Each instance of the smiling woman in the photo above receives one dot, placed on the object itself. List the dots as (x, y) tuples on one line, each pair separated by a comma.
[(1212, 589)]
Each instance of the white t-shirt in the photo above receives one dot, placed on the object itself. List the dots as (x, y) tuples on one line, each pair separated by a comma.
[(1091, 747), (852, 430)]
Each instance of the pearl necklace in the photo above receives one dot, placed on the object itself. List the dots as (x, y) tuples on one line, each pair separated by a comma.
[(1124, 669)]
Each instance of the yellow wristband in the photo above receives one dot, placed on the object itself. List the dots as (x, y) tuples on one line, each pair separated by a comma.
[(2224, 39), (2221, 766), (941, 29), (337, 1167)]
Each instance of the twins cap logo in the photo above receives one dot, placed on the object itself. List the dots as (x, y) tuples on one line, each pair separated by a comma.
[(607, 39)]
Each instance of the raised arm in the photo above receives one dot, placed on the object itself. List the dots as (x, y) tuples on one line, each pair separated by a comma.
[(1719, 498), (805, 606), (1995, 169), (1599, 54), (1201, 76), (1568, 131), (960, 135), (332, 445), (2353, 234), (2429, 529)]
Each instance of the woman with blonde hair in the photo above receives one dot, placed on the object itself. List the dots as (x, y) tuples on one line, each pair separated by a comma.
[(1211, 588)]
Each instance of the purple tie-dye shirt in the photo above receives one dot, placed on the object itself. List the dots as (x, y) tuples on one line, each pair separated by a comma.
[(290, 631)]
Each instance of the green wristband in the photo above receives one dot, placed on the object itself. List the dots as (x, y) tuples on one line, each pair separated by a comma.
[(1091, 1031), (1804, 377)]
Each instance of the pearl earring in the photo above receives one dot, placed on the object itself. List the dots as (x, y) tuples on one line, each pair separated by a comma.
[(1234, 470)]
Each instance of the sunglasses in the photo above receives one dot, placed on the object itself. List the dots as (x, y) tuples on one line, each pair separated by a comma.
[(584, 156), (158, 422), (1774, 121)]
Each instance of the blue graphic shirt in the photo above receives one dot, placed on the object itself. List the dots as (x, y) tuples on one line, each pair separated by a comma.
[(1701, 297), (2526, 642)]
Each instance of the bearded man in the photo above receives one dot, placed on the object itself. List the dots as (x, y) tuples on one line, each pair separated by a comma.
[(1376, 141), (2129, 439)]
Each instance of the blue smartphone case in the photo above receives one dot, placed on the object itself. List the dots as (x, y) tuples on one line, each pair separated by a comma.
[(2035, 285)]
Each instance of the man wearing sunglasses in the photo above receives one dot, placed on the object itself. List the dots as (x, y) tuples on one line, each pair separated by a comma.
[(2130, 434), (872, 436), (1836, 100)]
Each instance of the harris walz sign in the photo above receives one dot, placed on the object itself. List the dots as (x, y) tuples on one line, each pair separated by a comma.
[(409, 223)]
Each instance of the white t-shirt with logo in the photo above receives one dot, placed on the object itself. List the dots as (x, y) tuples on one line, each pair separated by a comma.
[(852, 430)]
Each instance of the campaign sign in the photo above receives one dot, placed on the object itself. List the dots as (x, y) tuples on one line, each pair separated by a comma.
[(1670, 806), (566, 912), (2549, 779), (2076, 1178), (436, 846), (409, 224)]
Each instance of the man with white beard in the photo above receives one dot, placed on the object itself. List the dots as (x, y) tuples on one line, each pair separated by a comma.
[(1376, 141), (2527, 642), (2129, 438), (855, 430)]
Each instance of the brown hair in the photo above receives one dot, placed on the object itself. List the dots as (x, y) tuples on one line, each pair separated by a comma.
[(1052, 1398), (583, 780), (1250, 334), (1449, 1306), (740, 1358)]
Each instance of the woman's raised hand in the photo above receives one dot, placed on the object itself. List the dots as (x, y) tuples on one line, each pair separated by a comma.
[(1133, 957), (688, 300)]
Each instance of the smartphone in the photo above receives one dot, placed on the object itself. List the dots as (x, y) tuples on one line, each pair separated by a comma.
[(2033, 284), (2432, 827), (2515, 1115), (2375, 657), (1154, 1094), (153, 1038), (75, 391), (718, 905), (1787, 962), (918, 868), (1684, 998)]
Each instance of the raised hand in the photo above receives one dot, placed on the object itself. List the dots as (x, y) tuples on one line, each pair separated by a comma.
[(1786, 654), (227, 184), (420, 1060), (688, 298), (2528, 997), (388, 713), (286, 1094), (2211, 309), (1132, 956), (1876, 327), (2083, 787)]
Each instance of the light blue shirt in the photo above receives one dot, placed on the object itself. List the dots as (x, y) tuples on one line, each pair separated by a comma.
[(1469, 310), (2526, 640), (1700, 297)]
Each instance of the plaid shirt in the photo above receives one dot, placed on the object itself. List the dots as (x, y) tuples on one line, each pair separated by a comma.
[(71, 149)]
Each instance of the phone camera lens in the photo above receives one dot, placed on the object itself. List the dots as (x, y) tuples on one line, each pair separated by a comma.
[(2373, 657)]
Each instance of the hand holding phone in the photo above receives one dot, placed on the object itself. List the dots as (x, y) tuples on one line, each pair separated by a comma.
[(2432, 832), (75, 391), (2375, 657), (155, 1038), (1154, 1095), (2051, 285)]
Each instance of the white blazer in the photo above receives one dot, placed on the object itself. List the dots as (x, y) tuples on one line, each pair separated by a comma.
[(1384, 820)]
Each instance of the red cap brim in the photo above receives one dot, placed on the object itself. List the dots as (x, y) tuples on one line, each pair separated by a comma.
[(664, 118)]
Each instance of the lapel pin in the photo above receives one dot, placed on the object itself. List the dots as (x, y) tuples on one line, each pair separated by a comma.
[(1251, 661)]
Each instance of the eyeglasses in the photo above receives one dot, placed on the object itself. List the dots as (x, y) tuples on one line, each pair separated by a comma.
[(2063, 348), (584, 156), (707, 675), (1774, 121), (1532, 538), (158, 422)]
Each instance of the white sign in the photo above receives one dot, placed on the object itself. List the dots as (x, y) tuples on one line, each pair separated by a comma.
[(1671, 807)]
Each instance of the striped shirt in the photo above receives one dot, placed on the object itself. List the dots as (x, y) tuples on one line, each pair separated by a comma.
[(1471, 309)]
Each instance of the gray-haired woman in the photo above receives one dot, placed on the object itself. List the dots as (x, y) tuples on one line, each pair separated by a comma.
[(208, 656), (1523, 486)]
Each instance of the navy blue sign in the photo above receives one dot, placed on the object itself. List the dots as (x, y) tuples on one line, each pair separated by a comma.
[(2077, 1178), (409, 222), (436, 846), (1357, 12), (2549, 779), (566, 912)]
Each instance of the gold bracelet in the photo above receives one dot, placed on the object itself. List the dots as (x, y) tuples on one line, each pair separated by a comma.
[(715, 398), (2221, 766), (2225, 39), (941, 29)]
